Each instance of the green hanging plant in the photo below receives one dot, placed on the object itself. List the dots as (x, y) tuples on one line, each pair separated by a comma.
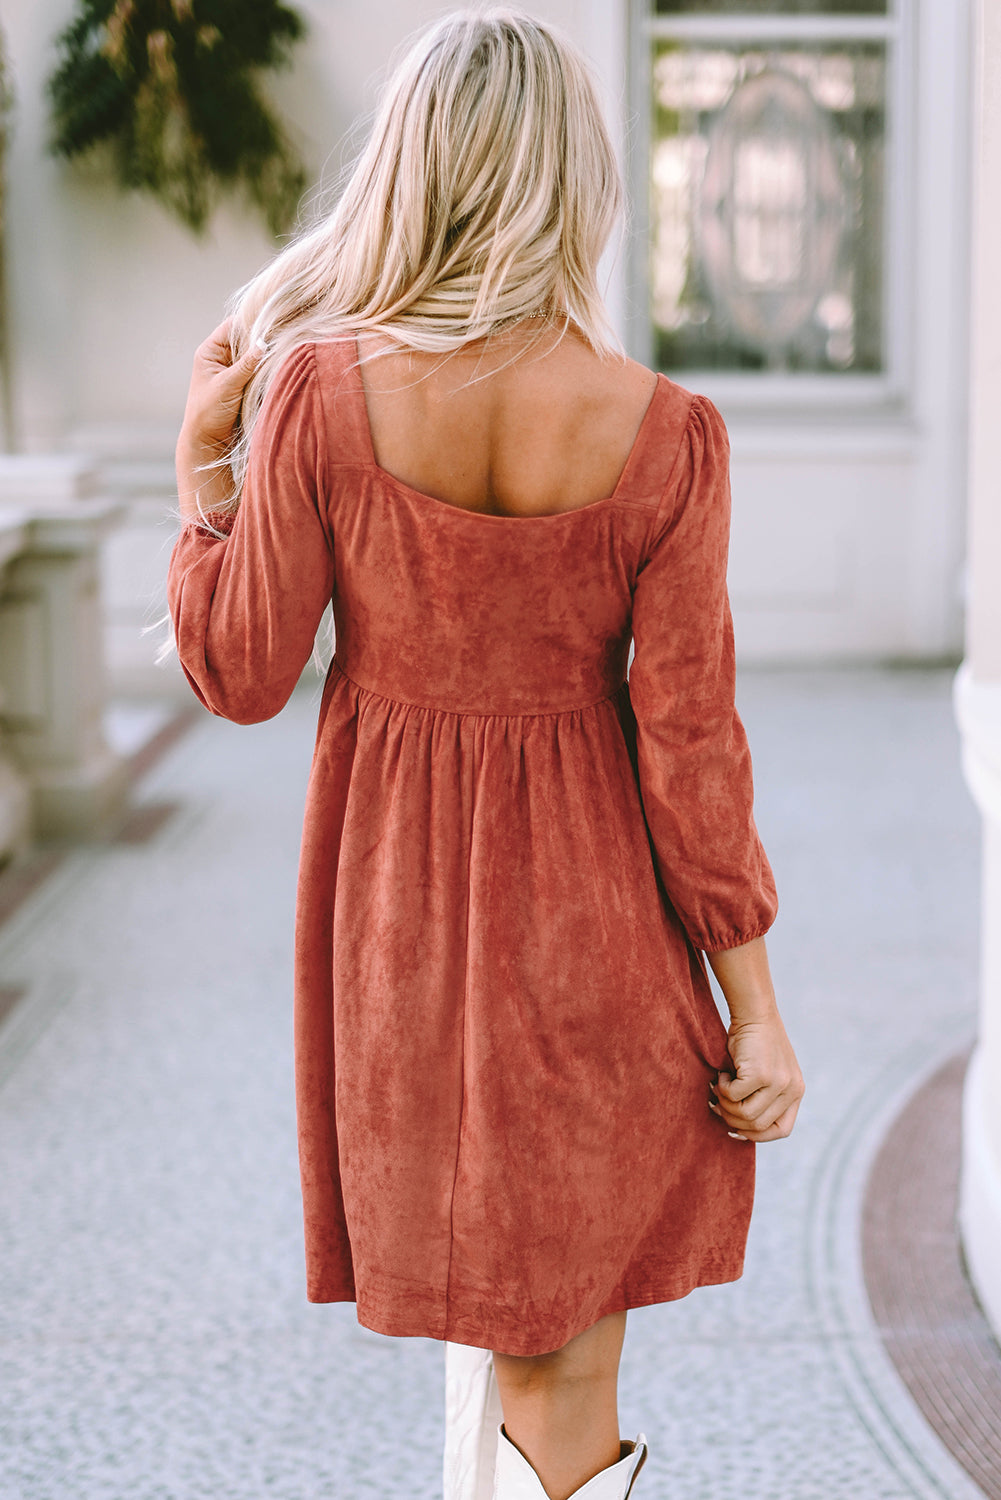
[(170, 85)]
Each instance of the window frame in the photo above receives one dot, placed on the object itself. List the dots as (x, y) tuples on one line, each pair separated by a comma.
[(829, 391)]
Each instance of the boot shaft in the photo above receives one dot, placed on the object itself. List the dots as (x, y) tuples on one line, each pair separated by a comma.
[(515, 1479)]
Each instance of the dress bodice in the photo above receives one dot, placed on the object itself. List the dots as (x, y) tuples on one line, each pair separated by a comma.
[(470, 612)]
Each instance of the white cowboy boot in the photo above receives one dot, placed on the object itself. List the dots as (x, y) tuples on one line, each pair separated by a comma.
[(517, 1480), (473, 1415)]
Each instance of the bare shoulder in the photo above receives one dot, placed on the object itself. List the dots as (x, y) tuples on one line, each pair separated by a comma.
[(617, 392), (633, 383), (638, 378)]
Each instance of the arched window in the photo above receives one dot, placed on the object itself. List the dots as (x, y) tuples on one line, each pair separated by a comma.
[(764, 188)]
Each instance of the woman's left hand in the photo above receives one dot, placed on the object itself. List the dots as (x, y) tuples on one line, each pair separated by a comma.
[(760, 1098), (215, 393)]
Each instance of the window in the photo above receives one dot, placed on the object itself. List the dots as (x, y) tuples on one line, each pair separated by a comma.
[(772, 7), (764, 185)]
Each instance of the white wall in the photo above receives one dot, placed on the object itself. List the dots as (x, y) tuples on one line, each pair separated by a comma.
[(110, 294), (848, 532)]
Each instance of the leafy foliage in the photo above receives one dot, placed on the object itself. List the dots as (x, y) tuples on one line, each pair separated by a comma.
[(8, 99), (170, 85)]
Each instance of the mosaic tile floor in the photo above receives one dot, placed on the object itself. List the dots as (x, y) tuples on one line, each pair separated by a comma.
[(155, 1342)]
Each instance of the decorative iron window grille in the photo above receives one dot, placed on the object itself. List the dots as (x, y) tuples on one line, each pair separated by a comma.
[(765, 168)]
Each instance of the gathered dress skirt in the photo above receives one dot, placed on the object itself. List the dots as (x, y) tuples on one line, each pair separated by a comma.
[(529, 815)]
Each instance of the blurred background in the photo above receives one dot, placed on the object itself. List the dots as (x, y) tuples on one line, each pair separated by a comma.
[(813, 238)]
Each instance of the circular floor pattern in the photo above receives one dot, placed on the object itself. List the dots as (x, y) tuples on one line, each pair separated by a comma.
[(922, 1300)]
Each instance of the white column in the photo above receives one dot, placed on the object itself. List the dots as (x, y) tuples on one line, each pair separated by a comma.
[(51, 645), (978, 684), (15, 803)]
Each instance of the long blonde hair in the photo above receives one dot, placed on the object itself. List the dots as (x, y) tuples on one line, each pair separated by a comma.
[(487, 190)]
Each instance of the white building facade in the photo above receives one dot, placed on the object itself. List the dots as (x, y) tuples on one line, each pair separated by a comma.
[(827, 319)]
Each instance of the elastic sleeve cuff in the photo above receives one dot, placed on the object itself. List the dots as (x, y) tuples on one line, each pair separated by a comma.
[(214, 523), (719, 942)]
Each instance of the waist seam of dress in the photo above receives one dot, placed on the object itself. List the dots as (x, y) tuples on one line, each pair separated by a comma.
[(475, 713)]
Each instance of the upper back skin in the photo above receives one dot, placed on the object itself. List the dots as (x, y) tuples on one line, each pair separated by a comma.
[(549, 432)]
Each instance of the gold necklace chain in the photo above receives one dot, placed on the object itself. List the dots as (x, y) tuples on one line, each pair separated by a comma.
[(540, 312)]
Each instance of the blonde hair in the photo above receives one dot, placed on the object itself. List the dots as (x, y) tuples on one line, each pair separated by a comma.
[(487, 190)]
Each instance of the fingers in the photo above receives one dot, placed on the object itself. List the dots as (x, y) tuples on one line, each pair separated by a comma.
[(777, 1131), (767, 1114), (239, 373), (761, 1109), (736, 1088), (215, 353), (753, 1095), (216, 347), (745, 1103), (254, 354), (219, 379)]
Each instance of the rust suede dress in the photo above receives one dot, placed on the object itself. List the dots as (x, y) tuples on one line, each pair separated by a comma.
[(511, 859)]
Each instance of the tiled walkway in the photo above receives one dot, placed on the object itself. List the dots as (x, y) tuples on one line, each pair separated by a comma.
[(155, 1343)]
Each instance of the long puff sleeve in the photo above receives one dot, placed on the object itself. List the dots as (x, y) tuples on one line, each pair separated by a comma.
[(693, 762), (246, 608)]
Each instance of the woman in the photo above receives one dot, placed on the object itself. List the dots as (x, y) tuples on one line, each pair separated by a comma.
[(519, 1111)]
